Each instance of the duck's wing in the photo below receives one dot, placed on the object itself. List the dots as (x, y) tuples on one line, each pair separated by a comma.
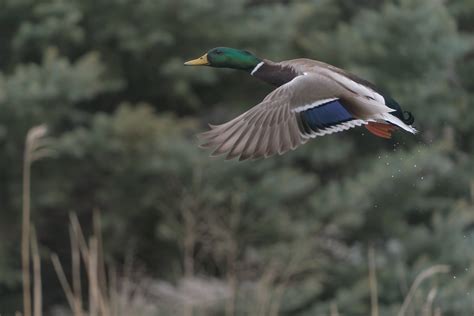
[(308, 106)]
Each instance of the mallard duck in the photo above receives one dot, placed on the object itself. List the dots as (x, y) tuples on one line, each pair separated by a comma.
[(311, 99)]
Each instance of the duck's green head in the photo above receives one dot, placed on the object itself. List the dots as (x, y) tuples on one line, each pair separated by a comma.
[(225, 57)]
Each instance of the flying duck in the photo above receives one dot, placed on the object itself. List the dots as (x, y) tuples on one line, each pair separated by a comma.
[(311, 99)]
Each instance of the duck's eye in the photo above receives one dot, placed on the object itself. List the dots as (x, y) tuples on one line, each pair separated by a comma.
[(218, 52)]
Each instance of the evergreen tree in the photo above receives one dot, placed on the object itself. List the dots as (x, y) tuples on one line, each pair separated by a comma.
[(107, 78)]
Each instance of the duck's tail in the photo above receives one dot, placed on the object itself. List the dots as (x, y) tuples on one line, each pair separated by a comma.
[(408, 118), (398, 122)]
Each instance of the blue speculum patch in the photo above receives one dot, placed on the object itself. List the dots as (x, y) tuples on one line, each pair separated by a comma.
[(326, 115)]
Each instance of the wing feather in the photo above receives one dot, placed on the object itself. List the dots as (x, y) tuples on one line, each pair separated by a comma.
[(261, 146), (274, 127), (251, 143)]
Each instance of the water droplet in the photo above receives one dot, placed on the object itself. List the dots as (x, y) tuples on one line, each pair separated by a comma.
[(422, 178), (454, 277), (414, 166), (387, 163), (393, 176)]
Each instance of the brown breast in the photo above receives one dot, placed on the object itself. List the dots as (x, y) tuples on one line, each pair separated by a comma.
[(275, 74)]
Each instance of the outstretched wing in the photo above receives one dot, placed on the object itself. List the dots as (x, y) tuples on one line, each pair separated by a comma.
[(308, 106)]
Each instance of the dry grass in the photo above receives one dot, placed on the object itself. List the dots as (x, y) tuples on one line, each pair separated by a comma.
[(94, 265), (37, 146), (107, 295), (425, 274), (38, 284)]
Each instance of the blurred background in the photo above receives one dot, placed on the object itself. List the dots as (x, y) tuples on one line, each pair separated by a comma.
[(137, 220)]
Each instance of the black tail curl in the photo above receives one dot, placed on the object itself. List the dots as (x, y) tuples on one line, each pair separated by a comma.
[(408, 118)]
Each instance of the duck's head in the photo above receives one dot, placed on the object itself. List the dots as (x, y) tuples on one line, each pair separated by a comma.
[(225, 57)]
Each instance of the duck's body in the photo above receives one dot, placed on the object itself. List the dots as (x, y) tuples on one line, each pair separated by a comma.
[(312, 99)]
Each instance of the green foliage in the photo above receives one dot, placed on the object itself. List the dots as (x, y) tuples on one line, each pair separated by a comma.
[(107, 77)]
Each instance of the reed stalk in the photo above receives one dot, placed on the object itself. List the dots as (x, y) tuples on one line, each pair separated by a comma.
[(36, 147)]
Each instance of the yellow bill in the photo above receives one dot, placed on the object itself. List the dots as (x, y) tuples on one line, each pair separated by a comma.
[(201, 61)]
